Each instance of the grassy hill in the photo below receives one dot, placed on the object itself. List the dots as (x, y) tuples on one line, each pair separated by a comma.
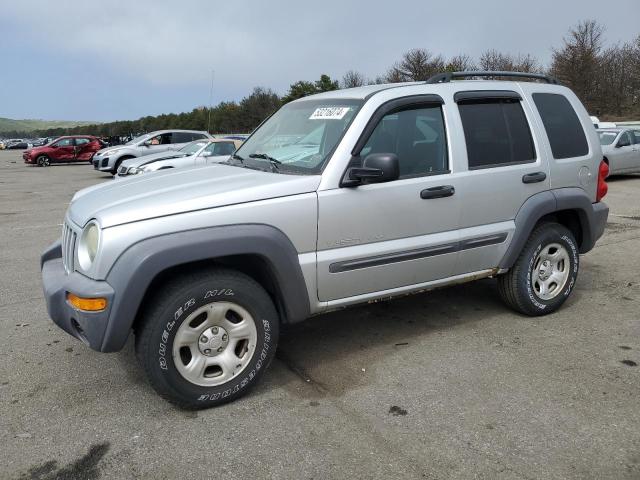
[(10, 125)]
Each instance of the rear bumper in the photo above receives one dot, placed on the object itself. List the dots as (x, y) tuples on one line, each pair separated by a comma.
[(89, 327), (597, 225)]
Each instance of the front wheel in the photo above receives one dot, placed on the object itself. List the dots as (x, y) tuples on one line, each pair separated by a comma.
[(208, 339), (43, 161), (545, 273)]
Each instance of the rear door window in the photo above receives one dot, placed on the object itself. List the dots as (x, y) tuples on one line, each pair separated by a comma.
[(224, 148), (625, 140), (563, 127), (496, 132)]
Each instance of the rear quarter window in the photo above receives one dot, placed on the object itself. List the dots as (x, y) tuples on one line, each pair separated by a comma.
[(563, 127)]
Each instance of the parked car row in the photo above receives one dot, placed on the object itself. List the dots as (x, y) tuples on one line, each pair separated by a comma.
[(153, 151)]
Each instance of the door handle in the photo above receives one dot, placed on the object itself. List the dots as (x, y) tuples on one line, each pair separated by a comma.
[(437, 192), (534, 177)]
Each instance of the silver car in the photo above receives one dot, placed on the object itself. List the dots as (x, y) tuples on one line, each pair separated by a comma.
[(621, 149), (200, 152), (109, 159), (341, 198)]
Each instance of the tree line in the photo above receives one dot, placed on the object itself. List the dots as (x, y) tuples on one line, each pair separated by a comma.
[(606, 79)]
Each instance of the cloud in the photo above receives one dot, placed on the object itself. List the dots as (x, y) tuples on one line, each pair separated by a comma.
[(173, 46)]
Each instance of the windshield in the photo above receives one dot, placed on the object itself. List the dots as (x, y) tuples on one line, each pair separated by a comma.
[(299, 137), (138, 139), (607, 138), (193, 147)]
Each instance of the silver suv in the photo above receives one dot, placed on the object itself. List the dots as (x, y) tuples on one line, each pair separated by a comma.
[(338, 199), (109, 159)]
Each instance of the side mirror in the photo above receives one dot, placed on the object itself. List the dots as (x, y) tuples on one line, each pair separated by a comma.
[(376, 168), (145, 143)]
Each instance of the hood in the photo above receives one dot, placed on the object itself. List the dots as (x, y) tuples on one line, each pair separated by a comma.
[(36, 150), (108, 150), (154, 157), (173, 191)]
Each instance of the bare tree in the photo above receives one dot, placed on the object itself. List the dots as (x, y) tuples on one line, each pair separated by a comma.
[(416, 65), (494, 61), (352, 79), (460, 63), (393, 75), (576, 64)]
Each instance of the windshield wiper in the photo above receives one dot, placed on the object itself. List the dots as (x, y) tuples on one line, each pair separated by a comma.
[(237, 157), (273, 161)]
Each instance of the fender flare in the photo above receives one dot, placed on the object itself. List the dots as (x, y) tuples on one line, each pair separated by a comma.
[(592, 216), (137, 267)]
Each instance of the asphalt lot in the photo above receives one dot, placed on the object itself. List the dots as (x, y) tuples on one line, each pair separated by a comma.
[(449, 384)]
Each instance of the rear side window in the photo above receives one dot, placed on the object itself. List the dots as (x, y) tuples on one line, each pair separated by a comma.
[(224, 148), (496, 132), (183, 137), (562, 124)]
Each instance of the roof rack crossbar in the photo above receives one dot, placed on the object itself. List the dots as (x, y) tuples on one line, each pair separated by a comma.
[(448, 76)]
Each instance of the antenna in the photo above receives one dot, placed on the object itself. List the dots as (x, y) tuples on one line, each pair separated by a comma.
[(213, 72)]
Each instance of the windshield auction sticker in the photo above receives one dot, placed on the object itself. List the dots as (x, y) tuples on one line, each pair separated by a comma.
[(329, 113)]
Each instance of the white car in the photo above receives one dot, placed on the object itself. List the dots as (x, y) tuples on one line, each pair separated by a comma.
[(621, 149), (199, 152)]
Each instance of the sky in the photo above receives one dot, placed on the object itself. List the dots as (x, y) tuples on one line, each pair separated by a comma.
[(115, 60)]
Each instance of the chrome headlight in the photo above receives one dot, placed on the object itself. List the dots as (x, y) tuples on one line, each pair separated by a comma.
[(135, 170), (88, 245)]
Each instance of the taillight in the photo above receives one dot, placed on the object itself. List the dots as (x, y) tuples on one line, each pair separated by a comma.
[(603, 173)]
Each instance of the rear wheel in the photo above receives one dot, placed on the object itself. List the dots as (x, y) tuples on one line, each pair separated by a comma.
[(544, 274), (207, 338), (43, 161)]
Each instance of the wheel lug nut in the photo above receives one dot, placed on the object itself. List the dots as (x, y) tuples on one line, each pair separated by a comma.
[(224, 337), (220, 349), (207, 351), (204, 339), (214, 330)]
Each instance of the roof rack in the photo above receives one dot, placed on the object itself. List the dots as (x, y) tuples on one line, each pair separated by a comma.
[(448, 76)]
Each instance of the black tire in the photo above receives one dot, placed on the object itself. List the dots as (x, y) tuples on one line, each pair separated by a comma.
[(114, 171), (43, 161), (175, 302), (519, 290)]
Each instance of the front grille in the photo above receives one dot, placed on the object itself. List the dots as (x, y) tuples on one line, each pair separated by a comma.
[(68, 247)]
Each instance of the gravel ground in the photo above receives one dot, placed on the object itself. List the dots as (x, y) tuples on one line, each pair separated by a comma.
[(449, 384)]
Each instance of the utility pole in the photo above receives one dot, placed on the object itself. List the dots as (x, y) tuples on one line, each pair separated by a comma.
[(210, 102)]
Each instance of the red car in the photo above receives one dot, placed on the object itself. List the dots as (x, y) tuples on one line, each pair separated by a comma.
[(76, 148)]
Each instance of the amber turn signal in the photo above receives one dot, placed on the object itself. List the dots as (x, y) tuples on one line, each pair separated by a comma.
[(87, 304)]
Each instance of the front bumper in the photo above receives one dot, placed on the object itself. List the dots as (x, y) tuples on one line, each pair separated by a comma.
[(89, 327), (27, 158), (101, 163)]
